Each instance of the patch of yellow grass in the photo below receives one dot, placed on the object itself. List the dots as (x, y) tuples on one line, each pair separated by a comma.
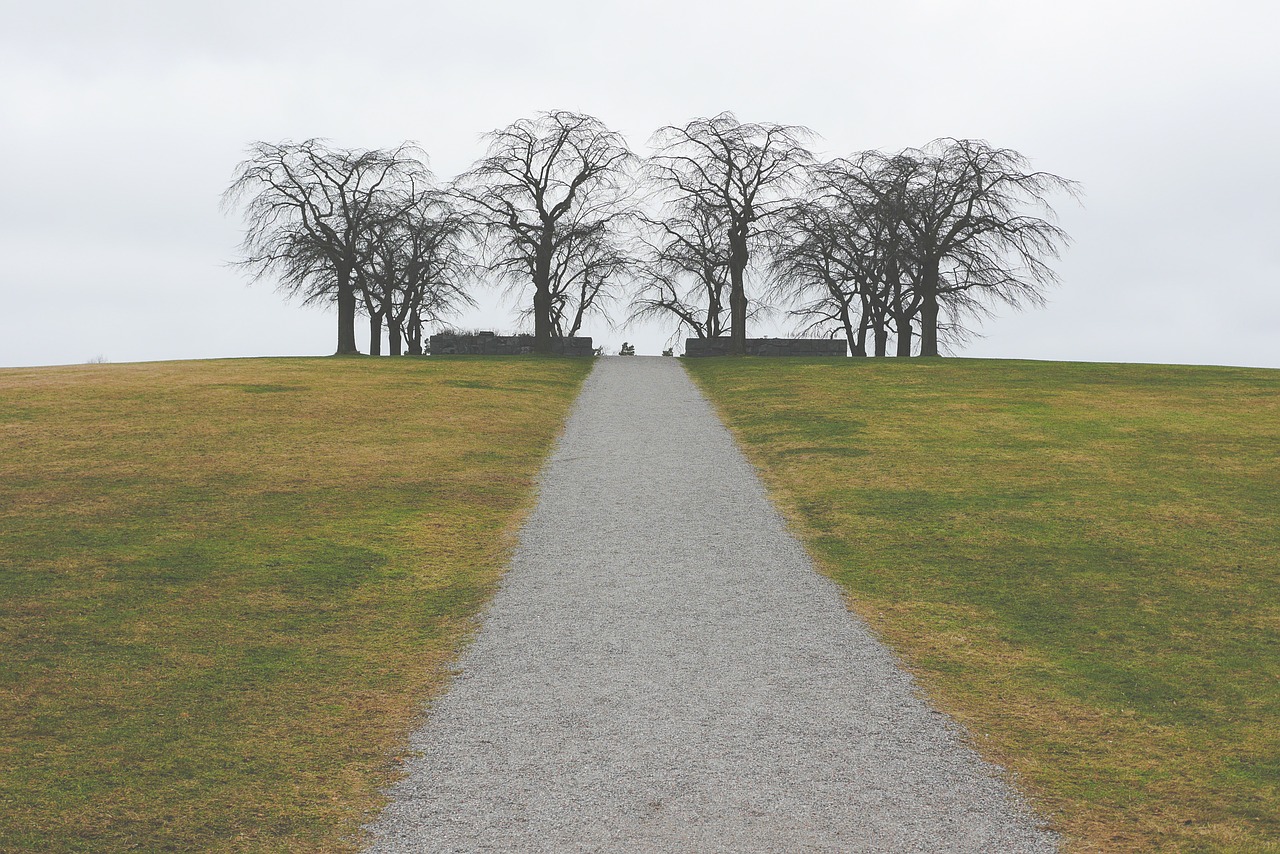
[(229, 587)]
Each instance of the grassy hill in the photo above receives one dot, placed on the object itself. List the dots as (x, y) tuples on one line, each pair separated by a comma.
[(226, 587), (1080, 561)]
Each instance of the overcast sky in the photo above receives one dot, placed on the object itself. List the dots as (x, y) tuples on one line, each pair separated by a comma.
[(121, 123)]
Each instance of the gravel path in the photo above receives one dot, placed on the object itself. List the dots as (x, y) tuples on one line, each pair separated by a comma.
[(663, 670)]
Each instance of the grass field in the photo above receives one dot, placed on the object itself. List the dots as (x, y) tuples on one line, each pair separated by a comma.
[(227, 587), (1080, 561)]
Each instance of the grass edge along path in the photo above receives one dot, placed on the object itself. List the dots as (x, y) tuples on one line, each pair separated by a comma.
[(227, 587), (1078, 561)]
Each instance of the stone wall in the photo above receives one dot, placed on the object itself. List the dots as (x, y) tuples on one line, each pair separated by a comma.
[(769, 347), (488, 344)]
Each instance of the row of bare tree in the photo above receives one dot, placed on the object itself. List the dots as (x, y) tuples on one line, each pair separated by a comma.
[(722, 219)]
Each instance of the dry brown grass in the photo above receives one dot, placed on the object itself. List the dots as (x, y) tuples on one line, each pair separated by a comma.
[(230, 586)]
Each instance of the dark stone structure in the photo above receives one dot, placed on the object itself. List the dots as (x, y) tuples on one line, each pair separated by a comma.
[(489, 344), (769, 347)]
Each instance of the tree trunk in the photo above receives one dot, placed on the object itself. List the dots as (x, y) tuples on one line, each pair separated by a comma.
[(882, 338), (929, 325), (395, 337), (414, 335), (583, 305), (542, 294), (866, 318), (855, 340), (864, 323), (375, 333), (929, 314), (737, 295), (713, 328), (904, 338), (738, 320), (346, 316), (542, 318)]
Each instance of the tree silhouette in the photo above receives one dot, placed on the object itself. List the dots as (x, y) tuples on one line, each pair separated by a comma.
[(964, 231), (892, 239), (544, 183), (417, 267), (742, 173), (308, 208)]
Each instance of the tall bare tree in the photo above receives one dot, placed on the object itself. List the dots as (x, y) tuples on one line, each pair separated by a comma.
[(742, 172), (308, 207), (684, 272), (972, 235), (544, 180), (975, 224), (417, 268), (915, 232), (842, 248)]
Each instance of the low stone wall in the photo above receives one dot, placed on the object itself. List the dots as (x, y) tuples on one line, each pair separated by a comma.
[(488, 344), (769, 347)]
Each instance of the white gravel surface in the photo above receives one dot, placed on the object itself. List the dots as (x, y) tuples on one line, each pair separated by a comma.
[(663, 670)]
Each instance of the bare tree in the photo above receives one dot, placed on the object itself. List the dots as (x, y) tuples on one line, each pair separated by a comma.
[(912, 233), (867, 198), (816, 264), (417, 267), (742, 172), (684, 272), (960, 203), (308, 207), (439, 266), (837, 255), (544, 180), (971, 236), (377, 274)]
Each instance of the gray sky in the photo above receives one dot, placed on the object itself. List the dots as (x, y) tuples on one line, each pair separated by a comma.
[(121, 124)]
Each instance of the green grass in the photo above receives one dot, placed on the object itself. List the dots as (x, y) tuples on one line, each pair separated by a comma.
[(228, 587), (1079, 561)]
